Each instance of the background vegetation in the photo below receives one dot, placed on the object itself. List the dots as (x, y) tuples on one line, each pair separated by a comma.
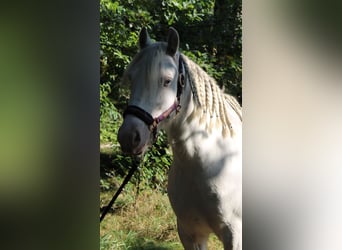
[(210, 34)]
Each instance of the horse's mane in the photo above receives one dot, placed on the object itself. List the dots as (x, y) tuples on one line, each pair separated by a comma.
[(211, 103)]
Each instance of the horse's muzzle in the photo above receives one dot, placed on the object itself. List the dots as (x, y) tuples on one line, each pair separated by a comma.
[(133, 135)]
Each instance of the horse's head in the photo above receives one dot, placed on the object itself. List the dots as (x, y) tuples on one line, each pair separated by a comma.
[(153, 76)]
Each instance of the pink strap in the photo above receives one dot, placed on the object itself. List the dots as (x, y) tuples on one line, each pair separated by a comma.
[(166, 113)]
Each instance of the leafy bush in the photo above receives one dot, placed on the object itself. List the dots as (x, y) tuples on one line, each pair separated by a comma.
[(110, 118), (157, 162), (152, 172)]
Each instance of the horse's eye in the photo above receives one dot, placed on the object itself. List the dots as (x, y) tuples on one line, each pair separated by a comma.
[(167, 82)]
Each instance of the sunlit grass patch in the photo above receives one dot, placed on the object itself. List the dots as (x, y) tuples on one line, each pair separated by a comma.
[(143, 221)]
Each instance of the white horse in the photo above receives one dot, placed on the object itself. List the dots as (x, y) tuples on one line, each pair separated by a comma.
[(204, 127)]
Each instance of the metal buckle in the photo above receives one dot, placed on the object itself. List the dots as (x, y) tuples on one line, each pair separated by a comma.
[(181, 80)]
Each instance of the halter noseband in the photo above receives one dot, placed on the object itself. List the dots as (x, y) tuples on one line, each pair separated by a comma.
[(147, 118)]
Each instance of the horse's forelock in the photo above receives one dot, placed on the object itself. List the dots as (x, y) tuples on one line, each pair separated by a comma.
[(147, 59)]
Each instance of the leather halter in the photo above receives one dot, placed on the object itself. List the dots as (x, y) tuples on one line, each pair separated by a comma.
[(152, 123)]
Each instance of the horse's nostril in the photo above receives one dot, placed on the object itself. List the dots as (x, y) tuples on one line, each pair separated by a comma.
[(136, 138)]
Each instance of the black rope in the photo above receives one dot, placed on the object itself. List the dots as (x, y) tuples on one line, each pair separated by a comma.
[(136, 162)]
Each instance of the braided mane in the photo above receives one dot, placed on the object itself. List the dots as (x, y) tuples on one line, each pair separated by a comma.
[(211, 103)]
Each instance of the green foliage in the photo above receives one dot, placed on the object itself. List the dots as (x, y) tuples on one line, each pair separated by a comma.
[(110, 118), (210, 30), (152, 173), (186, 12), (210, 34), (157, 162)]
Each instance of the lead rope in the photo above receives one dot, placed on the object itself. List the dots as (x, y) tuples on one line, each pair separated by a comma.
[(136, 163)]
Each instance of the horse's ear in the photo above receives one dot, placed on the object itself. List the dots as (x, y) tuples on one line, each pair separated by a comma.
[(172, 42), (144, 38)]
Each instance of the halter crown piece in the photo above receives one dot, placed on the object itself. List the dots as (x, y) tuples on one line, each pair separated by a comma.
[(152, 123)]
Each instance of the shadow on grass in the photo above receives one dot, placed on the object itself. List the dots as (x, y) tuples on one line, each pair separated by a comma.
[(114, 162), (106, 164), (113, 169)]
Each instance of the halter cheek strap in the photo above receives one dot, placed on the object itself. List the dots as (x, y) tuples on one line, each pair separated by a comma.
[(152, 123)]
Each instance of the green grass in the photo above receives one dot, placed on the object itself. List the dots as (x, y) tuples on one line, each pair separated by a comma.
[(131, 240), (144, 221)]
